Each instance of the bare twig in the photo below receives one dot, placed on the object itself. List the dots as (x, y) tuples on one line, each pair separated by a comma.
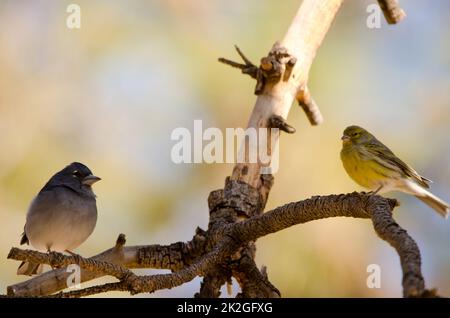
[(247, 68), (392, 11), (279, 122), (309, 106)]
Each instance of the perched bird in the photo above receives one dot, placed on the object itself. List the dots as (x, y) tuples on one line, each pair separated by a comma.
[(374, 166), (62, 215)]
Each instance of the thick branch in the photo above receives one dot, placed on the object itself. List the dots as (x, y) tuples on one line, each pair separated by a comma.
[(59, 260), (360, 205), (301, 42), (199, 268), (407, 249), (133, 283), (119, 286), (351, 205), (356, 205), (173, 256)]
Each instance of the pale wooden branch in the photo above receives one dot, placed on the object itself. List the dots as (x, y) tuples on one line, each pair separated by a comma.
[(280, 76), (301, 42), (309, 106), (392, 11)]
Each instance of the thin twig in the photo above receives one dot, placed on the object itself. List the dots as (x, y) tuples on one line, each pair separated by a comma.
[(309, 106), (392, 11)]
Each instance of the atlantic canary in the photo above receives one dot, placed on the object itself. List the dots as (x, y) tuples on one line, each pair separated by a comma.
[(374, 166)]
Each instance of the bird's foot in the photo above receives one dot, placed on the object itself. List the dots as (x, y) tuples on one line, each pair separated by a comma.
[(375, 192), (75, 255), (55, 258), (71, 253)]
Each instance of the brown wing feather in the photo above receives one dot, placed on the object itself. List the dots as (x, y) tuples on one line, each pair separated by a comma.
[(378, 149)]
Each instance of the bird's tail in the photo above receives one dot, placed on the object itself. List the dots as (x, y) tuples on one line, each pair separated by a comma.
[(29, 269), (426, 196), (434, 202)]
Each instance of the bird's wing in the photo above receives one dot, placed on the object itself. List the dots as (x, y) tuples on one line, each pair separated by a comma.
[(379, 150)]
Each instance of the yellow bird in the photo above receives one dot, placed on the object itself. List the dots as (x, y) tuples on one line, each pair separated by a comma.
[(374, 166)]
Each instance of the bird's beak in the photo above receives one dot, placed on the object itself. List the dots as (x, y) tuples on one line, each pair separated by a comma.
[(90, 180), (345, 138)]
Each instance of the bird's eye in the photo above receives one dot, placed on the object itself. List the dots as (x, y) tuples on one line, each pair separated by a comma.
[(76, 173), (355, 134)]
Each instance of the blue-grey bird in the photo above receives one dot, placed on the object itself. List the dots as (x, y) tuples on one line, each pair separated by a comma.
[(63, 214)]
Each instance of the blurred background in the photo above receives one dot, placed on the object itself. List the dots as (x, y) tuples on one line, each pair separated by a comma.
[(110, 93)]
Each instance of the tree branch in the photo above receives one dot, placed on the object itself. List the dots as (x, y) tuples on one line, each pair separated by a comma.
[(278, 79), (119, 286), (392, 11), (233, 236), (173, 257), (309, 106), (387, 229), (284, 80), (211, 284), (58, 260), (350, 205), (254, 283)]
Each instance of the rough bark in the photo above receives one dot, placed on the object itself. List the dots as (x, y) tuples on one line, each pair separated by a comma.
[(173, 257), (232, 239)]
